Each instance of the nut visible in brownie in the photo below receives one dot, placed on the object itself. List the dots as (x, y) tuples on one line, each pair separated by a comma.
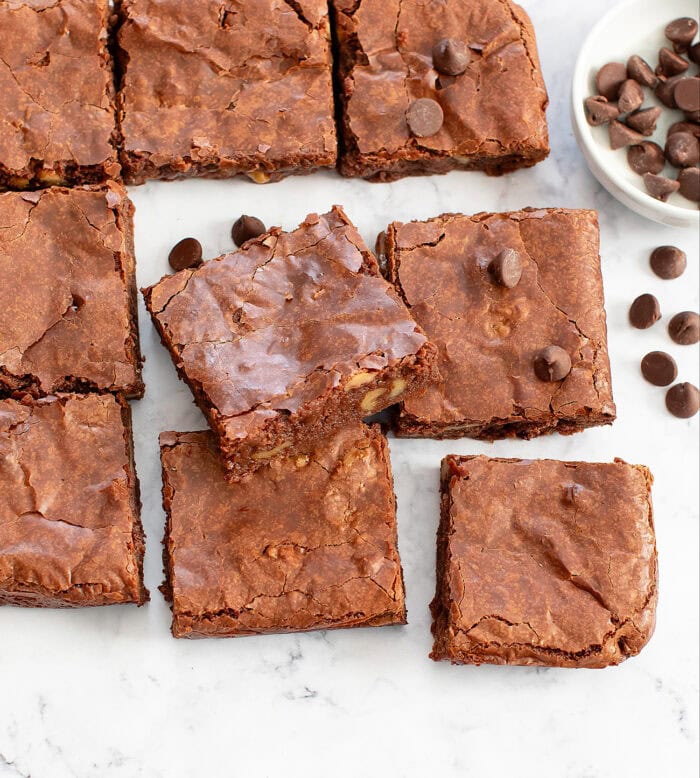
[(544, 562), (307, 543)]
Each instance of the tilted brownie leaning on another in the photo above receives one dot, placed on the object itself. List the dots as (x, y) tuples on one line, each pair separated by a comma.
[(290, 338), (514, 304)]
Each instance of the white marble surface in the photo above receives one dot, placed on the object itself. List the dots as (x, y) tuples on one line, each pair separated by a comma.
[(108, 692)]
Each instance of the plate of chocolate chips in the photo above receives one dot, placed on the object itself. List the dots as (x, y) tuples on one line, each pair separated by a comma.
[(636, 107)]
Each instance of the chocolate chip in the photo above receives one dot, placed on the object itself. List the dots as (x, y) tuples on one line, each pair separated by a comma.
[(686, 93), (694, 53), (692, 116), (644, 311), (646, 157), (668, 262), (424, 117), (659, 368), (693, 129), (640, 70), (631, 96), (552, 364), (507, 268), (670, 63), (683, 400), (683, 149), (644, 121), (621, 135), (609, 79), (682, 31), (660, 187), (571, 492), (451, 56), (600, 111), (684, 328), (664, 91), (246, 228), (689, 183), (185, 254)]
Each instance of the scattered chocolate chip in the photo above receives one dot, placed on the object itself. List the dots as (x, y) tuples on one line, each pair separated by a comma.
[(683, 149), (609, 79), (600, 111), (692, 116), (646, 157), (644, 311), (670, 63), (507, 268), (246, 228), (684, 328), (660, 187), (691, 127), (664, 91), (689, 183), (683, 400), (621, 135), (694, 53), (640, 70), (185, 254), (451, 56), (552, 364), (682, 31), (644, 121), (686, 93), (668, 262), (659, 368), (631, 96), (424, 117)]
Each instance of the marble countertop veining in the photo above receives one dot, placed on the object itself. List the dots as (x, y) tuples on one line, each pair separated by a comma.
[(107, 692)]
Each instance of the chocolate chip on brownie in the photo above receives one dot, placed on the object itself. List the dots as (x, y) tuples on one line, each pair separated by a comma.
[(507, 268), (451, 56), (552, 364), (424, 117)]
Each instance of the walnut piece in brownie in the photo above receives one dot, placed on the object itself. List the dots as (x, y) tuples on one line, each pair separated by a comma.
[(57, 112), (396, 56), (228, 88), (68, 319), (70, 532), (307, 543), (544, 562), (518, 360), (289, 338)]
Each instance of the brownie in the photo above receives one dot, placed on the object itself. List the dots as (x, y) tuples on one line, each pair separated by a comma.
[(289, 338), (490, 117), (307, 543), (70, 532), (57, 112), (490, 335), (68, 317), (544, 562), (230, 88)]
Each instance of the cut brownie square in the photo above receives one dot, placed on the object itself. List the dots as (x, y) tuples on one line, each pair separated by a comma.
[(544, 562), (68, 318), (307, 543), (70, 532), (290, 338), (430, 87), (57, 112), (228, 88), (514, 303)]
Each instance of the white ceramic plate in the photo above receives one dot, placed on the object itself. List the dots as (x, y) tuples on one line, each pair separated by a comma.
[(631, 27)]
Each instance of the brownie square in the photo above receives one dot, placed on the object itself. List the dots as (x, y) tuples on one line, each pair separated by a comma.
[(489, 336), (228, 88), (290, 338), (68, 318), (70, 532), (307, 543), (493, 113), (57, 112), (544, 562)]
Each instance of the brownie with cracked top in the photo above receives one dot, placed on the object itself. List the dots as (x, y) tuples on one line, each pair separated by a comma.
[(290, 338), (68, 319), (514, 304), (426, 88), (542, 562), (70, 532), (51, 134), (233, 88), (307, 543)]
